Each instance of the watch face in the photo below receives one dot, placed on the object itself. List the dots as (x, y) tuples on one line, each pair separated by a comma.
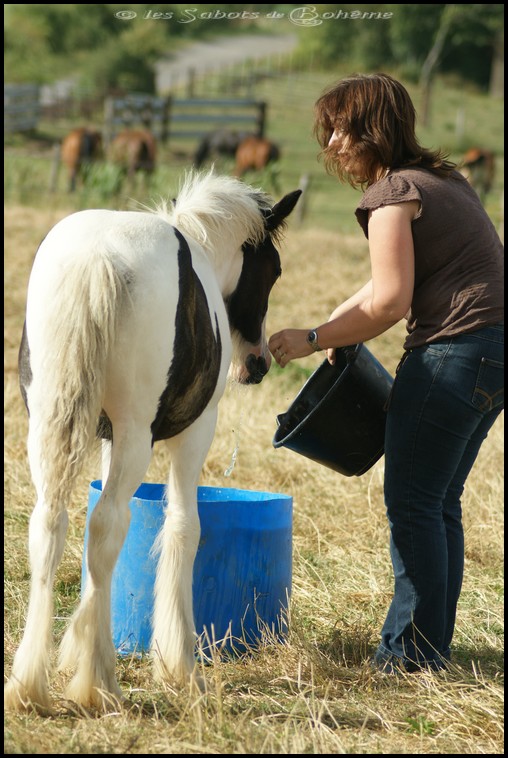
[(312, 339)]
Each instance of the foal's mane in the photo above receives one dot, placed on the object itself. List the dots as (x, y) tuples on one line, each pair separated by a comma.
[(215, 210)]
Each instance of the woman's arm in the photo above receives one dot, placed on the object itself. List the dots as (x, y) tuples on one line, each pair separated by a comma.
[(379, 304)]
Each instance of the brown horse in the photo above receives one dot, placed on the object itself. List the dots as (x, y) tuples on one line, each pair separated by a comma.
[(79, 149), (221, 142), (478, 166), (134, 150), (254, 153)]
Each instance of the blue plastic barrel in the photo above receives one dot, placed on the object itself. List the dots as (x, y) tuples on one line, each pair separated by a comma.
[(242, 572)]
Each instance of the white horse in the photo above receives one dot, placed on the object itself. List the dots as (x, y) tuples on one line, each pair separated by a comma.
[(133, 321)]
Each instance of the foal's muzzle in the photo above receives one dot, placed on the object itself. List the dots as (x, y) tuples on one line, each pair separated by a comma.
[(257, 368)]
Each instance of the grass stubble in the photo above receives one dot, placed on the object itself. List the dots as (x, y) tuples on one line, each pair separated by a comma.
[(315, 693)]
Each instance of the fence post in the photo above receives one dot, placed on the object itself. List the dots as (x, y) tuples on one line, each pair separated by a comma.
[(55, 167), (460, 124), (261, 119), (301, 206), (109, 112), (191, 82), (166, 116)]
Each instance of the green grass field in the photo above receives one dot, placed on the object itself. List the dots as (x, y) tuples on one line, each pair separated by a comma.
[(460, 117)]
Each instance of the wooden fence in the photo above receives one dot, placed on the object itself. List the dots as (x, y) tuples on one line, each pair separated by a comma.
[(232, 85), (136, 110), (173, 118), (21, 107), (169, 118)]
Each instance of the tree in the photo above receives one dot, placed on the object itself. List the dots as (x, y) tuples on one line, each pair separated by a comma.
[(496, 85), (448, 16)]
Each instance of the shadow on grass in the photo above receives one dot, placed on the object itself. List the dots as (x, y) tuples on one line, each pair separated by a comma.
[(355, 646), (349, 646), (485, 660)]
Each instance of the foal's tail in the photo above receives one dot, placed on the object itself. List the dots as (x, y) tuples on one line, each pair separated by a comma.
[(80, 330)]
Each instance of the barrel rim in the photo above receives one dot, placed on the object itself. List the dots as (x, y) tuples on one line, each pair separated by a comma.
[(233, 494)]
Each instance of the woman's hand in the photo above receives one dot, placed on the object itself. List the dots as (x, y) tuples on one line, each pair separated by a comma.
[(330, 355), (289, 344)]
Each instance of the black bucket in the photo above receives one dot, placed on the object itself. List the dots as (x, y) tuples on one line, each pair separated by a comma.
[(338, 418)]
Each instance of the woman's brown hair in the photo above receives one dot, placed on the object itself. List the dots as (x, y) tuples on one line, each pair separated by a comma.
[(376, 112)]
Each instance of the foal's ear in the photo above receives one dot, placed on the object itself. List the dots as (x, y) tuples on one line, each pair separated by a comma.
[(282, 209)]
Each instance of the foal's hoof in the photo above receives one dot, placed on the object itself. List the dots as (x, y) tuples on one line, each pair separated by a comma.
[(95, 698), (101, 703), (16, 698), (198, 683)]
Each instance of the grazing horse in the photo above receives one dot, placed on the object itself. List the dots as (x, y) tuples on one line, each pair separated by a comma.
[(255, 153), (134, 150), (133, 321), (478, 166), (218, 143), (79, 149)]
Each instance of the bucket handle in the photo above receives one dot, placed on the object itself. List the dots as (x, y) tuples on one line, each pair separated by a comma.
[(351, 352)]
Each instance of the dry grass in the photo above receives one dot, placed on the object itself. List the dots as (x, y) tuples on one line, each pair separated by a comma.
[(316, 693)]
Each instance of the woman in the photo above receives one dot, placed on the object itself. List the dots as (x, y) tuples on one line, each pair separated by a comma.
[(437, 261)]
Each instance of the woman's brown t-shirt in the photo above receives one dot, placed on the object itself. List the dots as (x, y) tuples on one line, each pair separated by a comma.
[(459, 258)]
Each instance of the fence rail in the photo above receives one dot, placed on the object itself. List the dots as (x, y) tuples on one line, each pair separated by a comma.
[(188, 113)]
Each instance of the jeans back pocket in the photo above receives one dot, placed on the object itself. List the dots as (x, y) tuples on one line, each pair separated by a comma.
[(489, 389)]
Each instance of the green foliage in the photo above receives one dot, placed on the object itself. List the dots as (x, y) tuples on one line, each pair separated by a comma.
[(411, 34), (107, 49), (101, 44), (126, 62), (404, 38), (41, 41), (420, 725), (102, 181)]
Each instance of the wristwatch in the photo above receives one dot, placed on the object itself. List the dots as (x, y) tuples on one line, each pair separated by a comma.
[(312, 339)]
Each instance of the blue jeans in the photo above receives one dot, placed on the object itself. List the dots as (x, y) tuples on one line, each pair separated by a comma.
[(445, 398)]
